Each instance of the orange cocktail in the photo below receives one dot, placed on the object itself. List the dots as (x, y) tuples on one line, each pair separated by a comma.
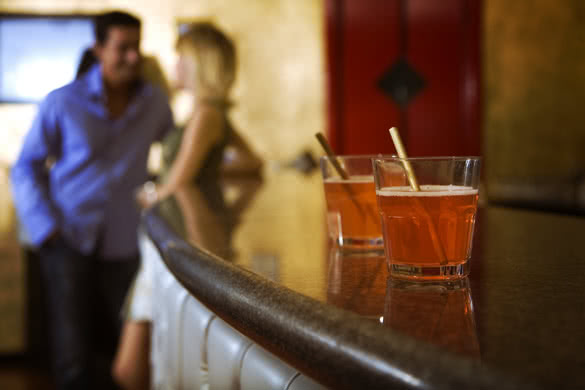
[(428, 233), (352, 215), (352, 211)]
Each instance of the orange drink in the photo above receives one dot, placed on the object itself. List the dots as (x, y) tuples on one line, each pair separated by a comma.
[(428, 233), (352, 211), (352, 215), (411, 217)]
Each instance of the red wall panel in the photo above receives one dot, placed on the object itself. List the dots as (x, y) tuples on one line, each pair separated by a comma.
[(371, 45), (439, 39)]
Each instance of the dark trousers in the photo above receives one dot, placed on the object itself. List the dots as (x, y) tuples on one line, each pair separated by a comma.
[(84, 297)]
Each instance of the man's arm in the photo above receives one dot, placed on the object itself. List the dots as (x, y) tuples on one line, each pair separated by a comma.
[(30, 176)]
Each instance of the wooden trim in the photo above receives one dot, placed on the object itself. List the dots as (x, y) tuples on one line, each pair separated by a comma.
[(334, 77)]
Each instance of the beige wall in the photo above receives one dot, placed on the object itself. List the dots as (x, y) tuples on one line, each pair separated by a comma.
[(534, 69), (280, 86)]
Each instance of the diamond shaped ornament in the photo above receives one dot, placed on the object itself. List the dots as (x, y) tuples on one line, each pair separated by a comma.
[(401, 82)]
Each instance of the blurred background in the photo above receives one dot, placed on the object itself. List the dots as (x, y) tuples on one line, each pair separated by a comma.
[(457, 76), (501, 79)]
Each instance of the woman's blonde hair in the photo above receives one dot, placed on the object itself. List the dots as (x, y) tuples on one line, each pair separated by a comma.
[(215, 56)]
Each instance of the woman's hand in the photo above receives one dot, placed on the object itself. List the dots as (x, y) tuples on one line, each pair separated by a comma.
[(147, 195)]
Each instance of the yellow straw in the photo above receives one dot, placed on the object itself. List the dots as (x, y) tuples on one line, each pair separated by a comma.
[(415, 187), (327, 148), (402, 154), (344, 175)]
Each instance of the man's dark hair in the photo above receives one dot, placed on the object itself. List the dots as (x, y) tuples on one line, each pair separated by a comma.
[(103, 23)]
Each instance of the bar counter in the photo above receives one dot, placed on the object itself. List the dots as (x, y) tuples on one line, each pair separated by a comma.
[(256, 254)]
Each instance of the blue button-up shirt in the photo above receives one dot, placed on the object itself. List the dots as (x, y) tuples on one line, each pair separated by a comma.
[(88, 194)]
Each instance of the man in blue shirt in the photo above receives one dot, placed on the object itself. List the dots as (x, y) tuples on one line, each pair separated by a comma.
[(81, 213)]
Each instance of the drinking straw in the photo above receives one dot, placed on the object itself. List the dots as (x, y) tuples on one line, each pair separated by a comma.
[(402, 154), (344, 175), (415, 187), (323, 141)]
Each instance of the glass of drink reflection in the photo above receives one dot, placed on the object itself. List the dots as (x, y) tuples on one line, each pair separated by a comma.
[(437, 312), (357, 282)]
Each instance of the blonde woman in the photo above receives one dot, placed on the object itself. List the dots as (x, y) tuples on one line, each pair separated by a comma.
[(206, 68)]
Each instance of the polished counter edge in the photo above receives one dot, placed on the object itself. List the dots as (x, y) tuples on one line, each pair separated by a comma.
[(337, 348)]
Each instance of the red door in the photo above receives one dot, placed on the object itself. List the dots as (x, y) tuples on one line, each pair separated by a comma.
[(407, 63)]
